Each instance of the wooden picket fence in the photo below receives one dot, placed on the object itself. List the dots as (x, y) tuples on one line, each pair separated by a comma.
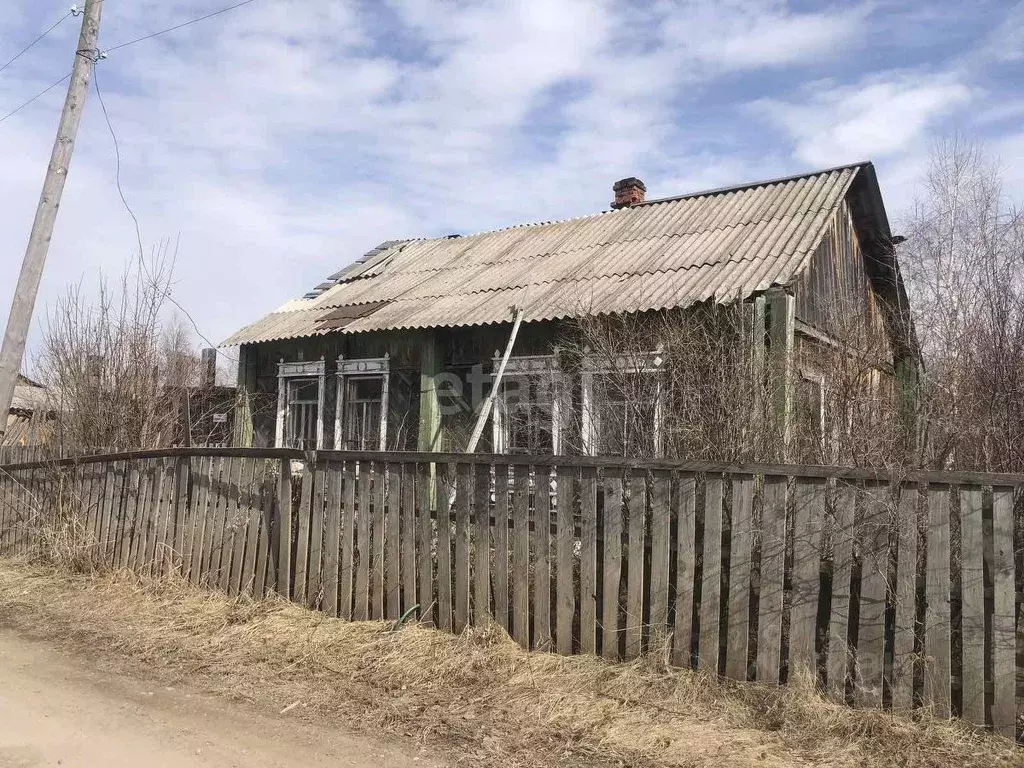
[(896, 592)]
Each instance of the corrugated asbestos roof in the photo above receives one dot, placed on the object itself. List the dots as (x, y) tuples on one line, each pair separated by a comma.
[(724, 244)]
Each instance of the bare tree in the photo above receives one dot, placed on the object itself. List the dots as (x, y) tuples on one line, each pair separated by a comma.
[(109, 361)]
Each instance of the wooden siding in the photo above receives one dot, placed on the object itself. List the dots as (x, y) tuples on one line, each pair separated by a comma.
[(835, 295)]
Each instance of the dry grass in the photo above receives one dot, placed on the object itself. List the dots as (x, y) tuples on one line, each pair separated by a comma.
[(478, 698)]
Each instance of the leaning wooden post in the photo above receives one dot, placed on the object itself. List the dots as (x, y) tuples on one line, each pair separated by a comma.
[(283, 534)]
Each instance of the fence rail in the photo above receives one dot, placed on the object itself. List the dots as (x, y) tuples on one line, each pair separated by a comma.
[(890, 591)]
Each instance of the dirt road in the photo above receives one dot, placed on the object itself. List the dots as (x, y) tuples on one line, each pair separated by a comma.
[(54, 711)]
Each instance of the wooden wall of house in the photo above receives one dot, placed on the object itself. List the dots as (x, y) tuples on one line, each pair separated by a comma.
[(835, 294), (461, 349)]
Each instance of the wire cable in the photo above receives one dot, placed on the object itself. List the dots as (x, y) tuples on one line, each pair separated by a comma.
[(28, 47), (42, 93), (178, 26), (138, 230)]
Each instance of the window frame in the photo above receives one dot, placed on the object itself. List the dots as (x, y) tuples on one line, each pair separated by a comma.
[(362, 368), (524, 366), (828, 444), (637, 363), (287, 374)]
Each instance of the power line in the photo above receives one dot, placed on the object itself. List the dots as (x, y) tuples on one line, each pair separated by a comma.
[(135, 219), (178, 26), (25, 50), (42, 93)]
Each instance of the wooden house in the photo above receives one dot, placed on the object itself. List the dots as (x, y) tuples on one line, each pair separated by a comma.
[(399, 350)]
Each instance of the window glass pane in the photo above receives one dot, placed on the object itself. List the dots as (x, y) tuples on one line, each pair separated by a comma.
[(625, 408), (303, 413), (528, 414), (363, 401)]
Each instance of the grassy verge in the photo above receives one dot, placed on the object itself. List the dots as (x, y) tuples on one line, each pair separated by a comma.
[(478, 698)]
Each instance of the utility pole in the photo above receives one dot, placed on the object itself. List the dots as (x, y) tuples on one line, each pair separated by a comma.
[(46, 213)]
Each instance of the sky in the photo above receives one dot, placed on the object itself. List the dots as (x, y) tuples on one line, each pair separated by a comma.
[(280, 141)]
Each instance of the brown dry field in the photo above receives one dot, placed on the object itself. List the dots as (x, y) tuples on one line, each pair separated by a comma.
[(476, 699)]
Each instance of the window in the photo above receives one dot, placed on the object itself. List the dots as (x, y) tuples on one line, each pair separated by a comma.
[(528, 409), (300, 405), (361, 418), (810, 438), (622, 405)]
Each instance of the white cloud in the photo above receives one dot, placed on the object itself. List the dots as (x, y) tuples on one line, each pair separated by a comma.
[(871, 120)]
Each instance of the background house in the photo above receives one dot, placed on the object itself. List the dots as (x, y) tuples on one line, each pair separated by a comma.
[(28, 421), (396, 351)]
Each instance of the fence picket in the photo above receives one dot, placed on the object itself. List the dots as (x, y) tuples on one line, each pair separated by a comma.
[(937, 625), (906, 599), (521, 555), (444, 487), (283, 531), (773, 549), (425, 541), (873, 534), (392, 545), (409, 537), (837, 663), (378, 536), (200, 500), (738, 633), (808, 519), (462, 533), (541, 547), (612, 563), (685, 503), (972, 606), (635, 564), (317, 534), (232, 501), (264, 576), (246, 504), (332, 538), (303, 524), (361, 609), (588, 563), (1004, 635), (247, 582), (711, 578), (499, 578), (182, 483), (481, 544), (348, 535)]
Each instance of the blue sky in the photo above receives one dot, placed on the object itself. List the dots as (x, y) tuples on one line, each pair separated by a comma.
[(282, 140)]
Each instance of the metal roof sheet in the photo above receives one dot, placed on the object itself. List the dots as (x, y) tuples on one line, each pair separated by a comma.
[(723, 244)]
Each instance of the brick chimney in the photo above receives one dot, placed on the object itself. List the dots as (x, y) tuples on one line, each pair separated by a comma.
[(628, 192)]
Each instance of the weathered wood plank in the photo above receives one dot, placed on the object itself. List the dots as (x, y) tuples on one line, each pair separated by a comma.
[(521, 555), (168, 522), (131, 494), (265, 579), (360, 611), (182, 520), (906, 600), (444, 486), (873, 534), (481, 544), (392, 546), (332, 537), (463, 490), (247, 583), (303, 524), (773, 549), (972, 605), (108, 515), (200, 516), (711, 578), (1004, 707), (937, 694), (542, 560), (685, 504), (738, 634), (410, 534), (378, 536), (661, 526), (588, 561), (808, 526), (612, 563), (348, 531), (231, 518), (140, 529), (219, 483), (246, 504), (635, 564), (283, 531), (838, 661), (317, 535), (499, 578), (424, 542)]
